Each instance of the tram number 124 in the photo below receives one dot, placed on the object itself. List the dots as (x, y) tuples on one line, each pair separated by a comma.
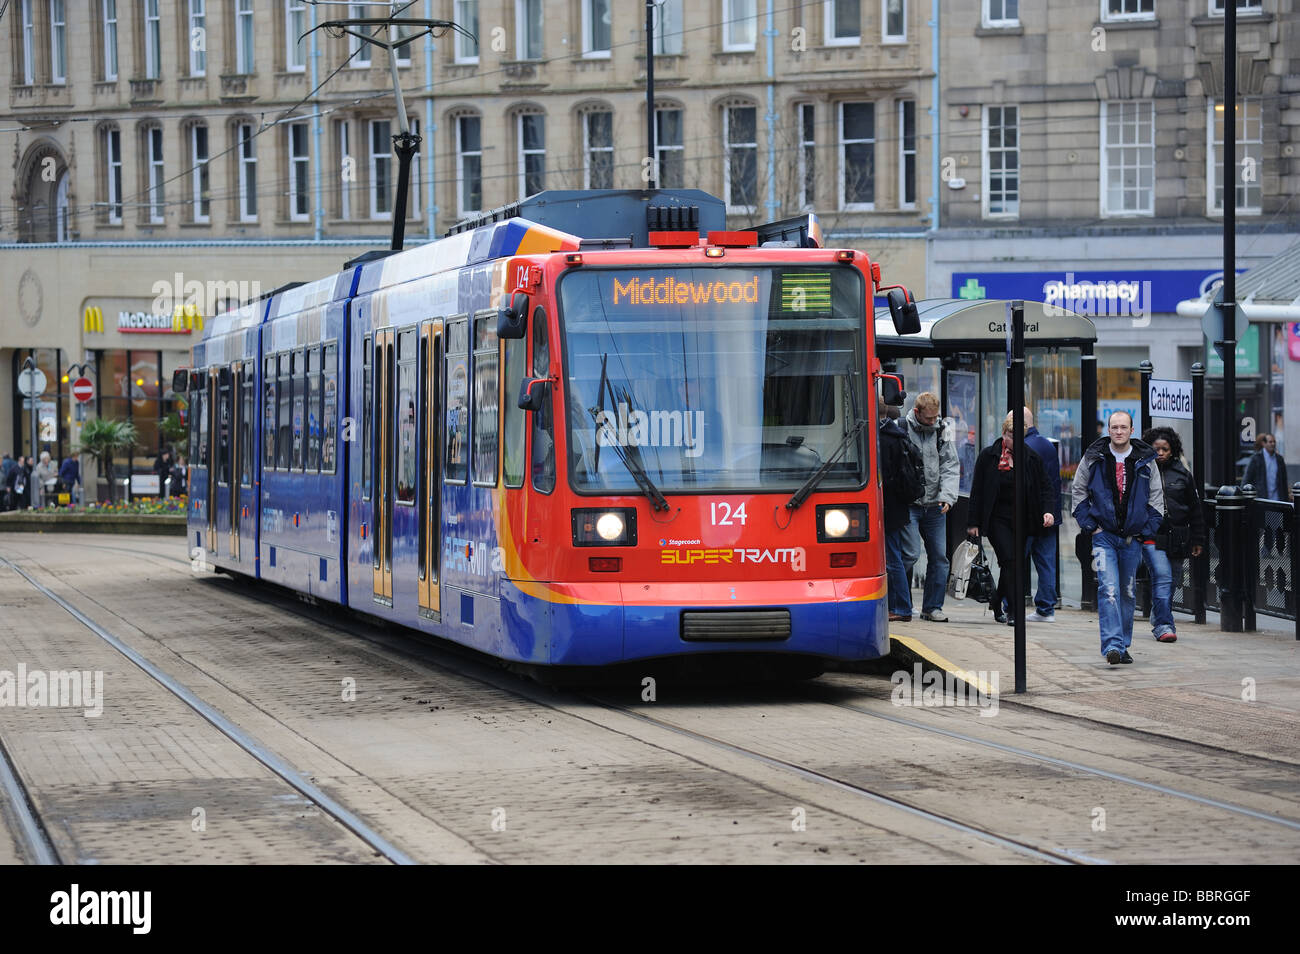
[(721, 514)]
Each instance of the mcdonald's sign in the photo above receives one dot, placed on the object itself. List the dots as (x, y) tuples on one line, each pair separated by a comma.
[(93, 320), (186, 318)]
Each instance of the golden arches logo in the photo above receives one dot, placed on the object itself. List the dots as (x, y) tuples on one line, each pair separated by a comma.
[(186, 318), (93, 320)]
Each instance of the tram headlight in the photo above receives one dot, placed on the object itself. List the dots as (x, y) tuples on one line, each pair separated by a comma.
[(604, 527), (842, 523)]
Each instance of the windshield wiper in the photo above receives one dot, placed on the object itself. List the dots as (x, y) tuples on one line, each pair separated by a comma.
[(632, 463), (809, 485)]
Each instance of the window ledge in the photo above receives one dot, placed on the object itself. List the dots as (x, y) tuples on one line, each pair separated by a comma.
[(1150, 24), (1017, 30), (197, 225), (1243, 16)]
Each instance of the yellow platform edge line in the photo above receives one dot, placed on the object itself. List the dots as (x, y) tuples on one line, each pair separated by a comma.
[(930, 656)]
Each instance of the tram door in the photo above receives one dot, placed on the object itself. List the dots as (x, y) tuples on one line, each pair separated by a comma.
[(232, 414), (382, 460), (214, 460), (430, 486)]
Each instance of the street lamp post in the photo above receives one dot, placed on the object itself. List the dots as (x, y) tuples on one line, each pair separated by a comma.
[(75, 371), (29, 364)]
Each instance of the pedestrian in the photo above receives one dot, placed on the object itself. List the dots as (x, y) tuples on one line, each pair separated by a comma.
[(1043, 546), (1267, 470), (891, 442), (162, 466), (1119, 498), (992, 509), (44, 477), (178, 475), (928, 517), (19, 485), (70, 474), (7, 465), (1181, 532)]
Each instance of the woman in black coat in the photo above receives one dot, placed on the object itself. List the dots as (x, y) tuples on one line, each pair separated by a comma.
[(1182, 532), (992, 512)]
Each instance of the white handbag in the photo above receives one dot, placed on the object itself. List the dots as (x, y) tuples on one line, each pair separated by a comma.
[(963, 558)]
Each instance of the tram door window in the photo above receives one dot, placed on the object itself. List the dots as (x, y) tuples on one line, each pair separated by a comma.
[(312, 415), (512, 442), (367, 365), (233, 400), (487, 402), (201, 415), (210, 439), (407, 361), (543, 419), (268, 414), (223, 426), (429, 492), (284, 395), (457, 401), (299, 406), (330, 409), (246, 421), (383, 457)]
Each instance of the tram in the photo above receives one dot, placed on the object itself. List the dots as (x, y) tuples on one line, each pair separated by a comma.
[(560, 448)]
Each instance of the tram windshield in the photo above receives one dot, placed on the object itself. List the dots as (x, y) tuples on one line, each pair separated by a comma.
[(709, 379)]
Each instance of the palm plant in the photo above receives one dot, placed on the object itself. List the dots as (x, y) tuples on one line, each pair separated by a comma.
[(102, 438)]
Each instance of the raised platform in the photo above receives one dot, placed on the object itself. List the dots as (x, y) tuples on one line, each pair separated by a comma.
[(29, 521)]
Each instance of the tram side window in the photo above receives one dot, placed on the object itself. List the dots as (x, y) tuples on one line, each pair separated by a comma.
[(367, 360), (284, 393), (268, 414), (329, 415), (457, 466), (196, 400), (407, 452), (299, 406), (487, 401), (223, 426), (543, 420), (312, 463), (246, 426), (513, 430), (201, 458)]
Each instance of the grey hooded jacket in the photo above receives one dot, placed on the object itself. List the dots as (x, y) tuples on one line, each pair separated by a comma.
[(942, 469)]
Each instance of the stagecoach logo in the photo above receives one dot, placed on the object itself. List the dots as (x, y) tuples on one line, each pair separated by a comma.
[(628, 428), (796, 557)]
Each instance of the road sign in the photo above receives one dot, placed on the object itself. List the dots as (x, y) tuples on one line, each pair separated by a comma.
[(1171, 399), (83, 389), (1212, 320), (31, 382)]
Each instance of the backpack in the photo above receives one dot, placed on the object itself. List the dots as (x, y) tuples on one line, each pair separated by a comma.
[(911, 472)]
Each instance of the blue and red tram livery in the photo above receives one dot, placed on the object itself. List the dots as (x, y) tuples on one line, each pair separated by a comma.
[(562, 451)]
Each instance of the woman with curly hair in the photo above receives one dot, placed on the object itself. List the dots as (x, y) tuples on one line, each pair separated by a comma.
[(1181, 532)]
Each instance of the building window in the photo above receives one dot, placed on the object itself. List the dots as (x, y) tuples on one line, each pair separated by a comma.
[(1001, 161), (466, 47), (113, 174), (1249, 152), (347, 170), (295, 25), (1128, 9), (739, 24), (244, 37), (596, 17), (58, 41), (381, 169), (598, 150), (906, 154), (157, 207), (528, 29), (403, 52), (1001, 13), (247, 172), (1217, 7), (740, 146), (200, 193), (469, 165), (358, 49), (670, 148), (152, 40), (29, 43), (893, 21), (1128, 160), (668, 28), (197, 37), (842, 22), (110, 39), (857, 181), (807, 156), (531, 133), (298, 162)]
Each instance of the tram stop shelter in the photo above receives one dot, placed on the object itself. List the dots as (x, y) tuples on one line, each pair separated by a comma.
[(962, 353)]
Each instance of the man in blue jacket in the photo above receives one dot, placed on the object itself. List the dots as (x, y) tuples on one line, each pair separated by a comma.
[(1043, 549), (1119, 498)]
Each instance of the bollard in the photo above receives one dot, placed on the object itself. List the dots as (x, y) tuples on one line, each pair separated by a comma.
[(1295, 554), (1083, 553), (1229, 511), (1248, 575)]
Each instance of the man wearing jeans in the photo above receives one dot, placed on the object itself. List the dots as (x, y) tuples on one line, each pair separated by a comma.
[(1118, 497), (929, 516), (1043, 548)]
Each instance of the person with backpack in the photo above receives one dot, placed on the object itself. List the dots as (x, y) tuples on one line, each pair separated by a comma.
[(992, 510), (929, 514), (902, 476)]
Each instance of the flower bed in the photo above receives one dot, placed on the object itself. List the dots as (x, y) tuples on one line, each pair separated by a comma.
[(138, 505)]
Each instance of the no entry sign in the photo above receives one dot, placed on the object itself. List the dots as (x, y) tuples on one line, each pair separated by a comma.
[(83, 389)]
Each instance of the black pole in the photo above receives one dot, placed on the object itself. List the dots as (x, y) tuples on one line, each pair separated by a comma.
[(650, 90), (1200, 565), (1087, 434), (1229, 511), (1144, 370), (1228, 469), (405, 144), (1248, 558), (1016, 394)]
